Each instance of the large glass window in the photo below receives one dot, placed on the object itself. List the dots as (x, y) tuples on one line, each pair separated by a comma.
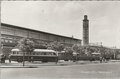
[(2, 40), (7, 30), (22, 33), (6, 41), (34, 35)]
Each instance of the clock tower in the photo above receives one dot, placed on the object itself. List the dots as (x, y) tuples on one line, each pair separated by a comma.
[(85, 30)]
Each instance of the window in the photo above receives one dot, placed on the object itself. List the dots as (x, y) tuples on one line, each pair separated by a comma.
[(37, 53), (2, 40), (34, 35), (10, 41), (54, 53), (17, 52), (20, 32), (14, 52), (7, 30), (42, 53), (45, 53), (6, 40), (33, 53), (50, 53)]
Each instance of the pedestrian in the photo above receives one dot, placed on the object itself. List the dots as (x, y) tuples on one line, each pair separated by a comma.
[(9, 58), (101, 58)]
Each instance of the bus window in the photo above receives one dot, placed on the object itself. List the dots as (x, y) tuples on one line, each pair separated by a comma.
[(40, 53), (50, 53), (33, 53), (47, 53), (44, 53), (54, 53), (14, 52), (36, 53), (18, 52)]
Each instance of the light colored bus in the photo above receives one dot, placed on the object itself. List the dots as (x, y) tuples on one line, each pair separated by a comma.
[(43, 55)]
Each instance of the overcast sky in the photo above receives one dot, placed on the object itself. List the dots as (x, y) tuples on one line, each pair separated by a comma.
[(65, 18)]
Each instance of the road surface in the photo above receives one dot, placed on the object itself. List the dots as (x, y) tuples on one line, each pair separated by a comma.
[(78, 71)]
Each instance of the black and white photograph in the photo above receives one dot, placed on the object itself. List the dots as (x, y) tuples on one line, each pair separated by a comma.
[(60, 39)]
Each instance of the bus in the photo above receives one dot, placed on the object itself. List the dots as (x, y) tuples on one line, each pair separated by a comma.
[(65, 56), (92, 57), (76, 56), (43, 55)]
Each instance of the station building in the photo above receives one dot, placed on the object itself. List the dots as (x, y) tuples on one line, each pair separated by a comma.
[(11, 34)]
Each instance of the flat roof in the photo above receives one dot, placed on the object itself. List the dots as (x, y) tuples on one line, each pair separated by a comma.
[(14, 26)]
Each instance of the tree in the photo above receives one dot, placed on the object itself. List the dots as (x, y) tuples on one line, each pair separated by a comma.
[(26, 46), (68, 53), (75, 48), (69, 50), (78, 49), (57, 46)]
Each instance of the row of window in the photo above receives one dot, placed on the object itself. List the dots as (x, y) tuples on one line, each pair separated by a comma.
[(43, 53), (7, 41), (30, 34), (35, 53), (38, 42)]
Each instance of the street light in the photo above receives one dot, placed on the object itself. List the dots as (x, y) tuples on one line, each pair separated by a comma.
[(23, 58)]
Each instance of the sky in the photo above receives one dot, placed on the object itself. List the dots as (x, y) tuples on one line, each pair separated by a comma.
[(66, 18)]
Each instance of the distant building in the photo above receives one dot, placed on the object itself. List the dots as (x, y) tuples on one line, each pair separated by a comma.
[(85, 31), (11, 34)]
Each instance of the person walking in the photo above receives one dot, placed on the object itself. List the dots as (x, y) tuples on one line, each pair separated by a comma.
[(101, 58)]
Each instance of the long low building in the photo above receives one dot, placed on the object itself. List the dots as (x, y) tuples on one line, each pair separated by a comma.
[(11, 34)]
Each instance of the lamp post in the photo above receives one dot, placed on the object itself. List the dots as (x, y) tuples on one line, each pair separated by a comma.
[(114, 53), (23, 58)]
